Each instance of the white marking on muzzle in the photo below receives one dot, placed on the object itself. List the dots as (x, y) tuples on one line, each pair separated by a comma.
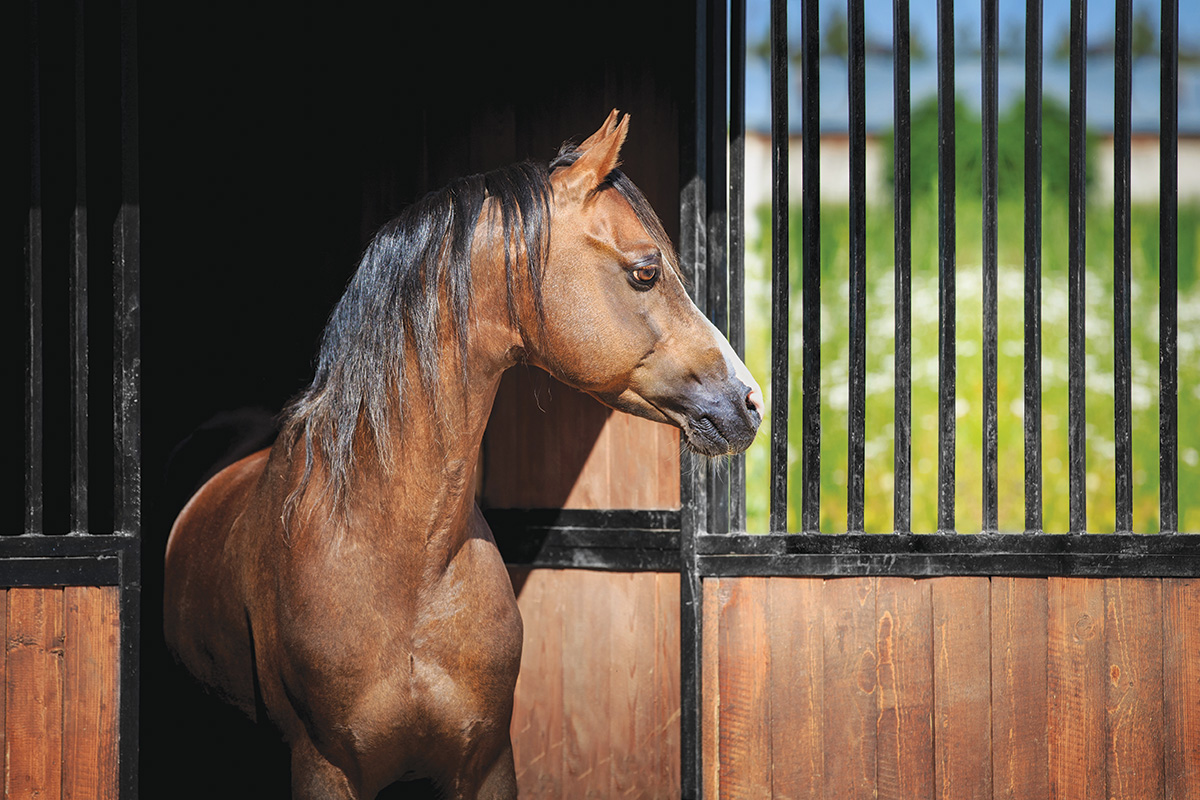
[(735, 364)]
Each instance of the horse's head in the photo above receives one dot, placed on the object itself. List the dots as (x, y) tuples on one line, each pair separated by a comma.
[(618, 322)]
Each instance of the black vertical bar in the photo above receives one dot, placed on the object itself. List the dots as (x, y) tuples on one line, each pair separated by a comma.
[(34, 360), (716, 213), (946, 265), (810, 73), (902, 202), (857, 422), (1123, 430), (693, 487), (1168, 275), (79, 296), (127, 326), (990, 38), (1076, 260), (737, 232), (127, 413), (1033, 266), (779, 266)]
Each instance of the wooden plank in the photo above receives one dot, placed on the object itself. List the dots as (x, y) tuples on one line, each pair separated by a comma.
[(1133, 643), (4, 682), (743, 667), (1181, 687), (962, 687), (710, 692), (34, 694), (631, 715), (537, 725), (91, 692), (1019, 630), (797, 656), (904, 642), (1075, 689), (586, 683), (666, 674), (850, 682)]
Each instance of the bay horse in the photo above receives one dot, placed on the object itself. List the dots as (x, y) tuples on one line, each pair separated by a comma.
[(343, 582)]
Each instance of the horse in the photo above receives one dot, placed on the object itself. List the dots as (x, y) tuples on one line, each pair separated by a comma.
[(342, 583)]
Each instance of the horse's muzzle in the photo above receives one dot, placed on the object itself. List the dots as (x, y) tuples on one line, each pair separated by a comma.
[(725, 422)]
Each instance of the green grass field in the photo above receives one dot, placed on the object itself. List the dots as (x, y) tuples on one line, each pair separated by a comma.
[(968, 463)]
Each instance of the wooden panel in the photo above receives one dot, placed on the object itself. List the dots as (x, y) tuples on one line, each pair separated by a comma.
[(904, 641), (91, 692), (538, 705), (1181, 687), (34, 693), (586, 683), (550, 446), (666, 684), (745, 743), (1076, 689), (962, 688), (1019, 629), (710, 692), (1134, 649), (797, 679), (631, 709), (849, 704)]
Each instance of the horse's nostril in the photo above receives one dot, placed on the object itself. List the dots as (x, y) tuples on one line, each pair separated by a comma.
[(754, 402)]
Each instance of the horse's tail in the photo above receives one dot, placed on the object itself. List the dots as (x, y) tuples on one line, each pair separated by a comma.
[(221, 440)]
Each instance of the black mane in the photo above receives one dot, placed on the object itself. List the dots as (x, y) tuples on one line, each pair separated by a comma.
[(393, 301)]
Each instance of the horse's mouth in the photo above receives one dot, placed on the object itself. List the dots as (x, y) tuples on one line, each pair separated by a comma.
[(701, 435)]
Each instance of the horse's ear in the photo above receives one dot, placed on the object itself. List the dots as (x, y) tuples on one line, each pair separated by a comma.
[(600, 155)]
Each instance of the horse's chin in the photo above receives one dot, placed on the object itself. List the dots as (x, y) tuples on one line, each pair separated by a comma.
[(703, 437)]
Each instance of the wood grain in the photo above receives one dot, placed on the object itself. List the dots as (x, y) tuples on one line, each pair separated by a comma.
[(1018, 666), (904, 641), (962, 687), (710, 692), (850, 684), (797, 660), (1133, 643), (587, 689), (34, 694), (538, 700), (631, 714), (745, 743), (1181, 687), (666, 684), (1076, 689), (91, 692)]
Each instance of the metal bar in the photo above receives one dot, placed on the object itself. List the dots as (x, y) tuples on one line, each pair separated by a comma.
[(737, 231), (1033, 266), (127, 327), (810, 97), (990, 39), (946, 265), (79, 295), (922, 556), (780, 361), (1076, 259), (34, 354), (693, 487), (857, 422), (902, 203), (717, 216), (1168, 272), (1122, 382)]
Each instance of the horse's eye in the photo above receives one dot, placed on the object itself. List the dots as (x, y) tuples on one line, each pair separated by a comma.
[(644, 277)]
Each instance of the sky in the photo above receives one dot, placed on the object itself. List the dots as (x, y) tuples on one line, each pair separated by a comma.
[(1055, 16)]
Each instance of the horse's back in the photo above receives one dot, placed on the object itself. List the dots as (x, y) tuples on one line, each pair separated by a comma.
[(205, 621)]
